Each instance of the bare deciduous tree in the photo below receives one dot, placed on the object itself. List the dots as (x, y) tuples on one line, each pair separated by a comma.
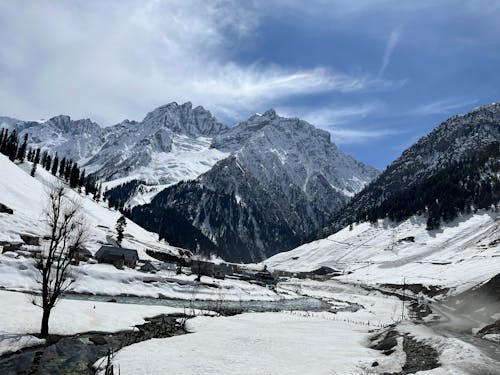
[(67, 232)]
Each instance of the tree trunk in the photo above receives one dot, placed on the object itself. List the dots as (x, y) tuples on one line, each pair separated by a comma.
[(44, 331)]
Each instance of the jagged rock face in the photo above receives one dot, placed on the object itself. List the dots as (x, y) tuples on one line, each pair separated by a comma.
[(453, 140), (183, 119), (131, 146), (283, 180), (72, 139), (133, 150)]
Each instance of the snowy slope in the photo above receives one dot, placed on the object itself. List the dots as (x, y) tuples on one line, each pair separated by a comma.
[(25, 195), (462, 254)]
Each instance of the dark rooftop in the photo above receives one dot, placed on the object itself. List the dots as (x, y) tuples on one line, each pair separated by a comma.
[(129, 254)]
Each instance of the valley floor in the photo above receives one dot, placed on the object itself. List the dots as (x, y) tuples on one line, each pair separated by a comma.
[(335, 341)]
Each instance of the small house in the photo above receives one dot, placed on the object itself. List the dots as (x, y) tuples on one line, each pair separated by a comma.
[(223, 269), (202, 268), (118, 256)]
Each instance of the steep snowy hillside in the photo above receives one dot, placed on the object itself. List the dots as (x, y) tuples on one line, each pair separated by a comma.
[(460, 255), (283, 180), (455, 167), (26, 196)]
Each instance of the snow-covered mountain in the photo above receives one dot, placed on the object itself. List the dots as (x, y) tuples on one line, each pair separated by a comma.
[(171, 144), (450, 170), (261, 186), (283, 179)]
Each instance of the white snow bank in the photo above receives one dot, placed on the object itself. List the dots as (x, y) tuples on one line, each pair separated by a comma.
[(455, 356), (265, 343), (11, 343), (18, 315)]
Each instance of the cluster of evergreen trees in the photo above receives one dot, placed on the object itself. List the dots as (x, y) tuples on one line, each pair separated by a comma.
[(119, 195), (469, 184), (66, 169), (11, 146)]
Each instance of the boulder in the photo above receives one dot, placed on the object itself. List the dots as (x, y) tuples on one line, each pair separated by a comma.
[(5, 209)]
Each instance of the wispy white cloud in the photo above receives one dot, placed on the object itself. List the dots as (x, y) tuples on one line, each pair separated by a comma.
[(109, 60), (392, 42), (331, 115), (443, 106), (343, 122), (344, 136)]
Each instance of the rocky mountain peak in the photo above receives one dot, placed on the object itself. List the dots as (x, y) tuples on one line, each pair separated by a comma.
[(270, 114)]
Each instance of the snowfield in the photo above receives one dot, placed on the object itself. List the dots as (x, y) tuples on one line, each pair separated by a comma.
[(265, 343), (460, 255), (19, 318)]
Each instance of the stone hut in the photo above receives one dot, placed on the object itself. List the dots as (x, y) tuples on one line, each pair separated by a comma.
[(118, 256)]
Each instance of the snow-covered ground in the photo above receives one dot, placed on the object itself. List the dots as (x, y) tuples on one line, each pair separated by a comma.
[(300, 342), (462, 254), (104, 279), (19, 318), (265, 343)]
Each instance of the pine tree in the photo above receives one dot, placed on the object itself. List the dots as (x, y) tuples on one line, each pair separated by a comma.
[(74, 176), (55, 165), (62, 167), (3, 144), (21, 153), (121, 223), (11, 148), (48, 162), (81, 180), (67, 170), (2, 135), (36, 160), (98, 193)]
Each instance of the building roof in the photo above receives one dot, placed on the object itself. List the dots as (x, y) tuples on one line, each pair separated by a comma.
[(111, 251)]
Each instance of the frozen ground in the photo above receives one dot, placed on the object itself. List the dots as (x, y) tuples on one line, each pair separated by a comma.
[(462, 254), (265, 343), (301, 342), (19, 318)]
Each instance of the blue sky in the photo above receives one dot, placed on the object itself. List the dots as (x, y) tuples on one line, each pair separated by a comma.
[(377, 74)]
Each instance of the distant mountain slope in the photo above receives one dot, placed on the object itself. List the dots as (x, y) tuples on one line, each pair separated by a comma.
[(283, 180), (462, 254), (454, 168)]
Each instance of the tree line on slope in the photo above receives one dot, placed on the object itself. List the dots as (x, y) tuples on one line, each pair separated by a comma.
[(469, 184), (65, 169)]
